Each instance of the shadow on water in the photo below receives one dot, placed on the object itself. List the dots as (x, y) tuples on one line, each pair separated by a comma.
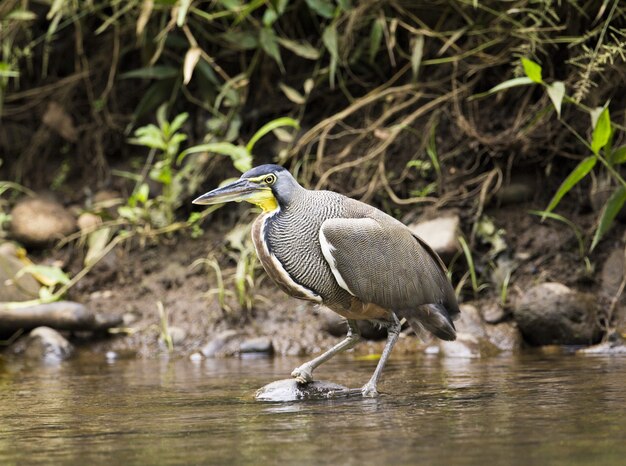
[(516, 410)]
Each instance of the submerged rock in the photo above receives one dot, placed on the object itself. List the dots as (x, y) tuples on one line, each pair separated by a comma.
[(259, 345), (45, 344), (37, 221), (290, 390), (615, 345), (552, 313)]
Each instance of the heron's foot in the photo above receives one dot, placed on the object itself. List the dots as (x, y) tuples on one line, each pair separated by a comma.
[(303, 374), (369, 390)]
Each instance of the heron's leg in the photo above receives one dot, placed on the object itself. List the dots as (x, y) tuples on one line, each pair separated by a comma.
[(393, 331), (304, 373)]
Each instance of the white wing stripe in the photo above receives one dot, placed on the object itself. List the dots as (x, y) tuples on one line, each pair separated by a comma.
[(327, 251)]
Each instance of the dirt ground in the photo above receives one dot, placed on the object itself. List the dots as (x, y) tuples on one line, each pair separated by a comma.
[(132, 280)]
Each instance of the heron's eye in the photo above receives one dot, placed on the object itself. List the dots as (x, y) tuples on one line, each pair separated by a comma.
[(270, 179)]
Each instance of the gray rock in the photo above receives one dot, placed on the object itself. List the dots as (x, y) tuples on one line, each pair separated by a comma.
[(612, 273), (257, 345), (218, 346), (552, 313), (493, 313), (440, 234), (37, 221), (505, 336), (290, 390), (45, 344), (470, 321)]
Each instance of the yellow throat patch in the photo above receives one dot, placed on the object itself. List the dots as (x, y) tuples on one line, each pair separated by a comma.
[(264, 199)]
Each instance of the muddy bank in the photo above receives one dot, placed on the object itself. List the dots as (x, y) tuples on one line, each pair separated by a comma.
[(164, 297)]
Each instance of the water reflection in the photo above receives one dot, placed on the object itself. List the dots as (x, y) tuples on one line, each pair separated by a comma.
[(559, 409)]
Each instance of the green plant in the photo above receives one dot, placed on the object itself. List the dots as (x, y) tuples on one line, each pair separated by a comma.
[(165, 139), (600, 146)]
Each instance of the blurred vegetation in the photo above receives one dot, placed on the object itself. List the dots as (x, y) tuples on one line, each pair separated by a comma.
[(393, 102)]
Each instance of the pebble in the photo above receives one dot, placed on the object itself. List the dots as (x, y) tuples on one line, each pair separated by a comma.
[(47, 345)]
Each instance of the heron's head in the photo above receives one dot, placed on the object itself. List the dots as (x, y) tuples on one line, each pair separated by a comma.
[(266, 186)]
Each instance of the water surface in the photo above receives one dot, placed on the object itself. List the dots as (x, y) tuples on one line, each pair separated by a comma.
[(531, 409)]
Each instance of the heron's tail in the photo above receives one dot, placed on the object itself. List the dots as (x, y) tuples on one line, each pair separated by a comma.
[(431, 317)]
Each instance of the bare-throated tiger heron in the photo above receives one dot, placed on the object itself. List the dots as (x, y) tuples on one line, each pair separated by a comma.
[(324, 247)]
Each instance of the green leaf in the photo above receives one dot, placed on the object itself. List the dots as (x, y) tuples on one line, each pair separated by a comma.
[(376, 37), (322, 7), (619, 155), (416, 54), (329, 37), (242, 159), (515, 82), (267, 38), (45, 274), (302, 49), (581, 170), (151, 72), (269, 127), (532, 70), (556, 92), (179, 121), (601, 132), (96, 242), (609, 212)]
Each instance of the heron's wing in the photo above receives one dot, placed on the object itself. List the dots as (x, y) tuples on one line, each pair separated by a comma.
[(382, 262)]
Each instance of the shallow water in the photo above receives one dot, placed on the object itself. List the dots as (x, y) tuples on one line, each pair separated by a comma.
[(532, 409)]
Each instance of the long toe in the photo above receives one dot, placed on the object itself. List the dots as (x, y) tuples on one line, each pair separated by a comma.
[(369, 391), (302, 374)]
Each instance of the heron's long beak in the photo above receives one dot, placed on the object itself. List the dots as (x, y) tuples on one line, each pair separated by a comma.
[(240, 190)]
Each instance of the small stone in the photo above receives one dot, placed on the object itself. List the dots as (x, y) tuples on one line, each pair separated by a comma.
[(217, 346), (433, 349), (257, 345), (505, 336), (552, 313), (493, 313), (88, 221), (38, 222), (195, 357), (111, 356), (470, 321), (46, 344), (440, 234)]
